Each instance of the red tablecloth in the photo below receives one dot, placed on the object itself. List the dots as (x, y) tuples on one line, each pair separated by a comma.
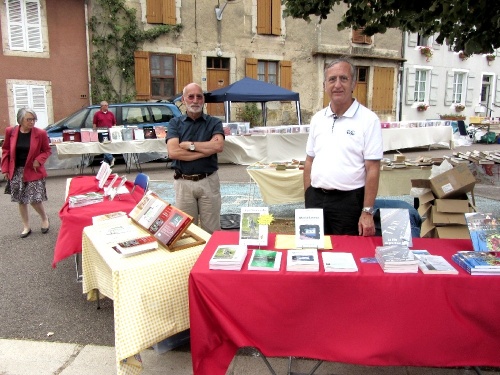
[(367, 318), (73, 220)]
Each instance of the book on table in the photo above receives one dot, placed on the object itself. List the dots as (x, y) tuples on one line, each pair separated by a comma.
[(395, 226), (478, 262), (302, 260), (309, 228), (143, 205), (251, 232), (176, 222), (484, 230), (433, 264), (108, 190), (265, 260), (151, 214), (338, 262), (112, 218), (81, 200), (136, 245), (228, 257), (396, 259)]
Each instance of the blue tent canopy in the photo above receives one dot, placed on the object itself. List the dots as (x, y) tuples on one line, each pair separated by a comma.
[(252, 90)]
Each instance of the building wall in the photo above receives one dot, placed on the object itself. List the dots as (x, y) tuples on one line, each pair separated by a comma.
[(62, 66)]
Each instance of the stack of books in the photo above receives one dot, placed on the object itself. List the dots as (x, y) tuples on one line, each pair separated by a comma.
[(228, 257), (303, 260), (478, 262), (396, 259), (86, 199), (265, 260), (433, 264)]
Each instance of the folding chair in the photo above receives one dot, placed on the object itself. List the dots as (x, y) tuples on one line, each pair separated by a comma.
[(141, 180)]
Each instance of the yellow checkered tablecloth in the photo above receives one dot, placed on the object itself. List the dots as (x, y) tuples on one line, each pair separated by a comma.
[(149, 291)]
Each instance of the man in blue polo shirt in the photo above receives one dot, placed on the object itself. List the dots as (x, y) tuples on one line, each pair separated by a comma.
[(193, 142), (343, 153)]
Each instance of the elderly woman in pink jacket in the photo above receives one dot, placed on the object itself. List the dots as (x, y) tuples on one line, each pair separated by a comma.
[(24, 152)]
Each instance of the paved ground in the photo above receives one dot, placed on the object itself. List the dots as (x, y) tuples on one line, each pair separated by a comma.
[(48, 327)]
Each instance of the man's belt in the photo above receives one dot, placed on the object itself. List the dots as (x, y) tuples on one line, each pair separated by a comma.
[(191, 177)]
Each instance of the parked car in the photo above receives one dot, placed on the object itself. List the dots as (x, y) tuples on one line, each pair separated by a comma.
[(137, 114)]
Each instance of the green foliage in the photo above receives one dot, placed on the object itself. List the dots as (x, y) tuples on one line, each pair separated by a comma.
[(469, 26), (250, 113), (116, 36)]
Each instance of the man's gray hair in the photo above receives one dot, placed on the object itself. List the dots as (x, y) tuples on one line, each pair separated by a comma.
[(22, 112), (340, 60)]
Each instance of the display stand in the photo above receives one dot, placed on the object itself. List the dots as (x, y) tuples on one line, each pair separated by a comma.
[(187, 240)]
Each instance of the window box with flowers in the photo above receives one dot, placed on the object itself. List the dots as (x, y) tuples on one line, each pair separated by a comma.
[(490, 58), (427, 52), (459, 107), (422, 107), (463, 56)]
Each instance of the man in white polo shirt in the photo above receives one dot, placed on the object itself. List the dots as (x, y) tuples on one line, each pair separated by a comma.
[(343, 150)]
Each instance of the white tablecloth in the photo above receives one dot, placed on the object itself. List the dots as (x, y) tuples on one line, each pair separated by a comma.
[(399, 138), (71, 149)]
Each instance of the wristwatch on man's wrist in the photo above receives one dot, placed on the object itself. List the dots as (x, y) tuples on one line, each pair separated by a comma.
[(191, 147), (368, 210)]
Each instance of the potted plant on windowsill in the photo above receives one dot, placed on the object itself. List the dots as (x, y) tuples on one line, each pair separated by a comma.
[(459, 107), (490, 58), (422, 107), (452, 116), (427, 52), (463, 56)]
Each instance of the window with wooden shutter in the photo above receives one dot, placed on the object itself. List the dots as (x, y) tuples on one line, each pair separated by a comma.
[(34, 97), (184, 71), (269, 17), (142, 75), (24, 25), (359, 38), (286, 74), (251, 68), (160, 12)]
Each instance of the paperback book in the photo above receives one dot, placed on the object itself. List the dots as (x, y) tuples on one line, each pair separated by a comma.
[(309, 230), (265, 260), (396, 259), (251, 232), (136, 246), (176, 222), (151, 214), (113, 218), (395, 225), (228, 257), (433, 264), (86, 199), (338, 262), (484, 230), (302, 260), (478, 262), (143, 205)]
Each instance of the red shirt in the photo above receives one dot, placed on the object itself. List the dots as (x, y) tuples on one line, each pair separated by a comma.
[(104, 119)]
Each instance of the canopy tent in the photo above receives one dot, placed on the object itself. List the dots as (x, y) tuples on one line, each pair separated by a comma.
[(252, 90)]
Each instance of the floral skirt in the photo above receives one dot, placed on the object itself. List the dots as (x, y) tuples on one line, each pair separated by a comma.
[(26, 192)]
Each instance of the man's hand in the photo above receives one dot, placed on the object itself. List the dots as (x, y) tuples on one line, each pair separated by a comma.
[(366, 225)]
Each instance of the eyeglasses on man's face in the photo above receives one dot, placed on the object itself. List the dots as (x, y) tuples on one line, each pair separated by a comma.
[(193, 97)]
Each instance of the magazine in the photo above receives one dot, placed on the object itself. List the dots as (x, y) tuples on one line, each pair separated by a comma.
[(251, 232), (309, 230)]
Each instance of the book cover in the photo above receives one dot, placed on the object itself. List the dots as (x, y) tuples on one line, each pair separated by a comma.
[(136, 245), (395, 225), (309, 230), (228, 257), (481, 259), (435, 264), (102, 171), (152, 213), (127, 134), (461, 260), (484, 230), (143, 205), (105, 176), (339, 262), (86, 199), (138, 134), (160, 131), (149, 132), (265, 260), (115, 133), (395, 255), (302, 260), (175, 224), (251, 232)]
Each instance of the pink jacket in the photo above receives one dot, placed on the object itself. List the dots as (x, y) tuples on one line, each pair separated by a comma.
[(39, 150)]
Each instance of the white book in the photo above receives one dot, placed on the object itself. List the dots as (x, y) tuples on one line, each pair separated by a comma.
[(395, 225), (152, 213), (115, 133), (105, 176), (228, 257), (251, 233), (113, 218), (143, 205), (265, 260), (302, 260), (433, 264), (138, 134), (339, 262), (309, 230), (102, 171)]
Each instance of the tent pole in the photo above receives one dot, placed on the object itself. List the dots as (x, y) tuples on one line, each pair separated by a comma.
[(264, 113), (299, 114)]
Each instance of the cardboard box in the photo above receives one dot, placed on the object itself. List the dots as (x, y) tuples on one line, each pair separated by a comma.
[(453, 183), (453, 231), (446, 218), (452, 205), (427, 229), (424, 210)]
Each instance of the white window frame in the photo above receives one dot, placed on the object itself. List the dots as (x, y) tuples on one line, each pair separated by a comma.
[(24, 19), (427, 85), (459, 88), (32, 96)]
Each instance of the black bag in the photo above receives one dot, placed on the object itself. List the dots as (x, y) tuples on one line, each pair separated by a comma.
[(7, 187)]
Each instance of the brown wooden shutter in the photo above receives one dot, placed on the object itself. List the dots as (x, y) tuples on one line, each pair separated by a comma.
[(360, 38), (263, 16), (276, 17), (154, 12), (169, 12), (184, 71), (383, 89), (251, 68), (286, 74), (142, 75)]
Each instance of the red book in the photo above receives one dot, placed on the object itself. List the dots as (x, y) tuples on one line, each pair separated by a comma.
[(175, 223), (136, 245)]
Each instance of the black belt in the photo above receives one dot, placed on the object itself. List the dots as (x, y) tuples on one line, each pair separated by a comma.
[(191, 177)]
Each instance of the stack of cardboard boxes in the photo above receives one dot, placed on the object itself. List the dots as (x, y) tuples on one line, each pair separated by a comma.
[(443, 207)]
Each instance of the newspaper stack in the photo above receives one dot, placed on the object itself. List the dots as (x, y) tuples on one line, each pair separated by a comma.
[(396, 259)]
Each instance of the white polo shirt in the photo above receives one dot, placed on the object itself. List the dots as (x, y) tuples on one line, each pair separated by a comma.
[(340, 152)]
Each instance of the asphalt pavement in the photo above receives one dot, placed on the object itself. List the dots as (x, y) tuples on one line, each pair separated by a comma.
[(48, 327)]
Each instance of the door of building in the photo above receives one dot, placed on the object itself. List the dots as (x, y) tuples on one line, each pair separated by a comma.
[(217, 77)]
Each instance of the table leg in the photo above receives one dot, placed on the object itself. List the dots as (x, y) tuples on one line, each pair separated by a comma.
[(313, 370), (79, 276)]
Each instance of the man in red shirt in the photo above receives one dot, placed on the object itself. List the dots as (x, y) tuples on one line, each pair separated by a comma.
[(105, 119)]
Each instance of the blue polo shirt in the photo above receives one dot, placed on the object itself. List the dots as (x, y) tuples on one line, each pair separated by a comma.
[(200, 130)]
